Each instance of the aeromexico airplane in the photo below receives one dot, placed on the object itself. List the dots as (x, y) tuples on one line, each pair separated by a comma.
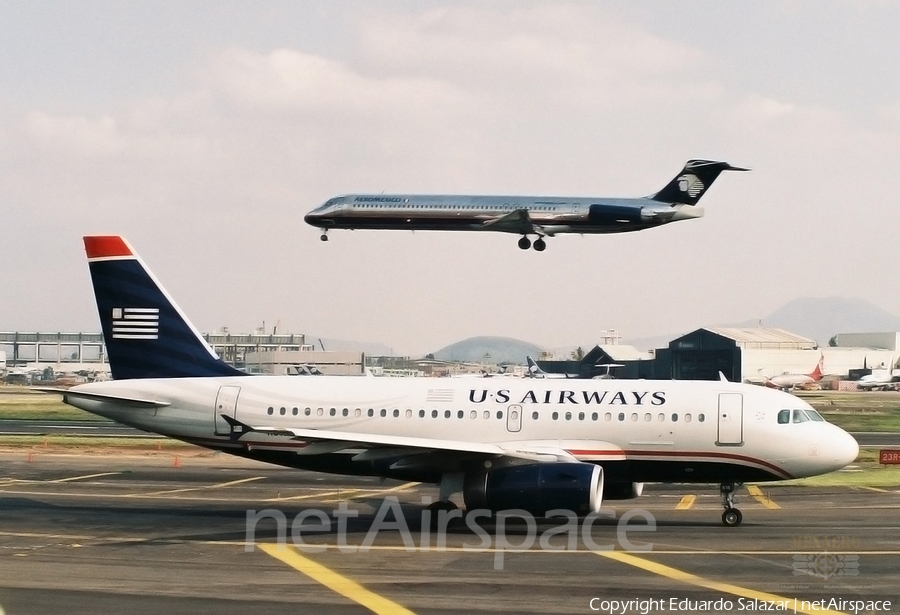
[(528, 444), (523, 215)]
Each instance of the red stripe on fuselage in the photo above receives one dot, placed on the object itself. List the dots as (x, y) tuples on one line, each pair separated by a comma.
[(106, 246), (631, 454)]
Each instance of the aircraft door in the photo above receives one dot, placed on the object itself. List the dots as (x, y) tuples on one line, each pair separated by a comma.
[(731, 419), (226, 403), (514, 418)]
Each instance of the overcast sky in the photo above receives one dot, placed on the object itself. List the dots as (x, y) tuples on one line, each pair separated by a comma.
[(204, 131)]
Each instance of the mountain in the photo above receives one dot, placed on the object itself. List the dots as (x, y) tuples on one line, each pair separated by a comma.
[(500, 349), (818, 318)]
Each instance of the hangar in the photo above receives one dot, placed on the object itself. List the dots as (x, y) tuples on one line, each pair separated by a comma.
[(738, 353)]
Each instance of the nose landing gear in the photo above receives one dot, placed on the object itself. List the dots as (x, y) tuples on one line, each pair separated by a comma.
[(324, 236), (732, 517)]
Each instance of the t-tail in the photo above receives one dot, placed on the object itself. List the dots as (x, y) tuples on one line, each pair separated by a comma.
[(146, 334), (694, 180)]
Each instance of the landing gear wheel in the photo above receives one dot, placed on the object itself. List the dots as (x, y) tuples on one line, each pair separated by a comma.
[(324, 237), (732, 517), (539, 245), (440, 505), (524, 243)]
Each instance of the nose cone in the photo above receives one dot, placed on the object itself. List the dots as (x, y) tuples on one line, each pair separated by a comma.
[(846, 449)]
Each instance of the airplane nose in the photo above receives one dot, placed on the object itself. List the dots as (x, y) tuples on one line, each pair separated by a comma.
[(845, 449)]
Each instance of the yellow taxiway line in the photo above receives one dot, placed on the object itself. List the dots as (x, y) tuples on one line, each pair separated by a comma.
[(686, 502), (334, 581), (201, 488), (85, 477), (762, 498), (693, 579)]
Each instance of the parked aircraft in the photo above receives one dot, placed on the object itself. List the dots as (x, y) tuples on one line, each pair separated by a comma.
[(536, 372), (883, 379), (788, 381), (523, 215), (509, 443)]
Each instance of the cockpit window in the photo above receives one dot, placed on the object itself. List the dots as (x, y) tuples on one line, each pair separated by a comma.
[(784, 417), (800, 416), (815, 416)]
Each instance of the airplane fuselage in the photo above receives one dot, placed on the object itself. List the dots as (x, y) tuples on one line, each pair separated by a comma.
[(472, 213), (638, 430)]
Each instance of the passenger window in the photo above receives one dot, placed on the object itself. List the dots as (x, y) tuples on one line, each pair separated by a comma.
[(295, 411), (534, 416), (421, 414), (621, 416), (800, 416), (674, 418), (346, 412), (320, 411), (648, 417), (661, 417), (595, 416), (607, 416), (568, 416), (701, 417), (460, 414), (634, 416), (271, 410), (434, 414), (446, 414), (282, 411), (473, 414), (307, 411), (409, 414), (487, 414), (332, 412), (499, 414), (371, 412), (555, 415), (687, 417), (581, 416), (357, 412), (383, 412)]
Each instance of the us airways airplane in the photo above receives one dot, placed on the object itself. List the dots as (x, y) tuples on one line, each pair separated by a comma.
[(527, 444), (522, 215)]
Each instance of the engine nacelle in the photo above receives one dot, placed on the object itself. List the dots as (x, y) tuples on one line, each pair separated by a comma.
[(622, 491), (537, 488), (616, 214)]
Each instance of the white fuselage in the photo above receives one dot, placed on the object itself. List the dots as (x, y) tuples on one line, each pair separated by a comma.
[(649, 430)]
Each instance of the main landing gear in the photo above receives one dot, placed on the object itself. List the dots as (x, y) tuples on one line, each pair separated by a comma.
[(539, 244), (732, 517)]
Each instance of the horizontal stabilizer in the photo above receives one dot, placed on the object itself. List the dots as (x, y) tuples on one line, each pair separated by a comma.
[(117, 399)]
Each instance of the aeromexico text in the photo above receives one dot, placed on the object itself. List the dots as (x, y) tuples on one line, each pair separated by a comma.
[(610, 398)]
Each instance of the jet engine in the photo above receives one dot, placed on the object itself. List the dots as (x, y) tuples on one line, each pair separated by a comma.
[(622, 491), (536, 488), (612, 214)]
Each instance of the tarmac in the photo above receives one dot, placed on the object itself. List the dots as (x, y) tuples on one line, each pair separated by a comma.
[(152, 534)]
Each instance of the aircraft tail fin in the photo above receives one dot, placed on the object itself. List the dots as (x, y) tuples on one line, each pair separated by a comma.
[(817, 373), (692, 183), (533, 370), (146, 334)]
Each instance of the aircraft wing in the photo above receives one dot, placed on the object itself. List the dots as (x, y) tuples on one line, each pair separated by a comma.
[(517, 221), (404, 445)]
